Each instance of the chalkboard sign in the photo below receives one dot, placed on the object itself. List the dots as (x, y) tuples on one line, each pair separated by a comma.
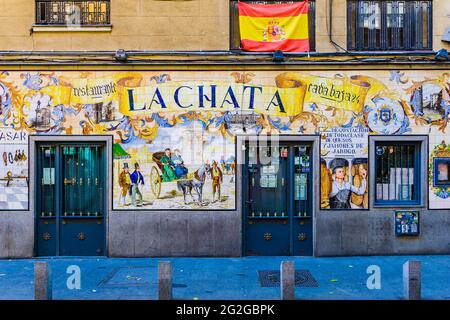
[(407, 223)]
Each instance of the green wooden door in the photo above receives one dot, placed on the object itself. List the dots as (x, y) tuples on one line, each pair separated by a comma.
[(277, 184), (267, 228), (70, 200)]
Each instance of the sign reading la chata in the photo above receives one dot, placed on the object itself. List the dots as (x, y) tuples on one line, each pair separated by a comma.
[(189, 96), (285, 98)]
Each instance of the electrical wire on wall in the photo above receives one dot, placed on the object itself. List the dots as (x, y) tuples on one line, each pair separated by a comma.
[(330, 28), (210, 58)]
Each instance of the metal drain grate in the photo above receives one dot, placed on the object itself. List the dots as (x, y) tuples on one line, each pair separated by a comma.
[(271, 278)]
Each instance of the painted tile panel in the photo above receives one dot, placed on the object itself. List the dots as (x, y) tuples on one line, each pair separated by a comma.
[(174, 132)]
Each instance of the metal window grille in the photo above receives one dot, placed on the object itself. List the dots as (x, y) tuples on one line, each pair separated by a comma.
[(235, 38), (380, 25), (397, 172), (81, 12)]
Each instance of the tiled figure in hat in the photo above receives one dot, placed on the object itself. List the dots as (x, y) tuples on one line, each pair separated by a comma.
[(341, 190), (124, 183)]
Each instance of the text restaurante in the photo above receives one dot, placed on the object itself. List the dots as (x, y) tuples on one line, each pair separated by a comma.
[(98, 90)]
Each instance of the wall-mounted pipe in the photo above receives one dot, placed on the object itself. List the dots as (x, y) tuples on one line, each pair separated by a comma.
[(12, 53), (330, 26)]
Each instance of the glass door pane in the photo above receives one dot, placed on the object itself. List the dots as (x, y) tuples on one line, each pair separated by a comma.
[(82, 181), (70, 178), (302, 220), (82, 227), (267, 215), (268, 183), (302, 172), (48, 190), (46, 195)]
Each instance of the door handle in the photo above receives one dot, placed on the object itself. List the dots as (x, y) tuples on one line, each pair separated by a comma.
[(249, 203), (70, 182), (301, 237), (100, 202)]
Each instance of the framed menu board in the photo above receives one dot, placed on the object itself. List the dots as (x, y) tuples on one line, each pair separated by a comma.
[(407, 223)]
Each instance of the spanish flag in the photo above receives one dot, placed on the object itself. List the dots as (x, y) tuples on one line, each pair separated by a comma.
[(271, 27)]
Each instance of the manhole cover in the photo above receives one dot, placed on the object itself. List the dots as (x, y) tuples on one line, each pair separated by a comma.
[(271, 278)]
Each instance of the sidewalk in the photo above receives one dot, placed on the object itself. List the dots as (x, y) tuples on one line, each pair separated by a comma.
[(224, 278)]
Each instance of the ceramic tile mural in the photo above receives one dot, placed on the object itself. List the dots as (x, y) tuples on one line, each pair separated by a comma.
[(439, 179), (179, 127), (13, 169)]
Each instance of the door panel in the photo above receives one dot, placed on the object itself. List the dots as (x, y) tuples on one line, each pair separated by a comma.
[(47, 237), (267, 215), (82, 181), (82, 223), (278, 201), (76, 197), (81, 237), (302, 201)]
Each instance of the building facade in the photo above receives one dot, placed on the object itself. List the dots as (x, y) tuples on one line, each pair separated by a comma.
[(140, 128)]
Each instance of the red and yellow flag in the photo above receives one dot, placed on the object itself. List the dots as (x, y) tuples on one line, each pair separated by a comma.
[(271, 27)]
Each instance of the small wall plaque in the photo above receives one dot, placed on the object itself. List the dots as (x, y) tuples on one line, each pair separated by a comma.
[(407, 223)]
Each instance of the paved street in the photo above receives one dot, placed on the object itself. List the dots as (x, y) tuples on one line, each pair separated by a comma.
[(224, 278)]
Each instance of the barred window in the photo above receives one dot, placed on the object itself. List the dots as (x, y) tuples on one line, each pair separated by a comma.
[(397, 166), (389, 25), (65, 13), (235, 37)]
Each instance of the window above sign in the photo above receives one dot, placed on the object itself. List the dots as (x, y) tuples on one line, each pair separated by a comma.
[(64, 15), (381, 25)]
